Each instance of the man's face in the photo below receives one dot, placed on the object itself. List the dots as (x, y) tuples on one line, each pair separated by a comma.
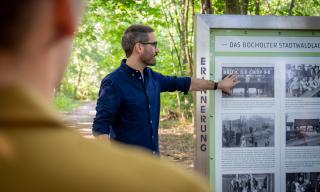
[(150, 51)]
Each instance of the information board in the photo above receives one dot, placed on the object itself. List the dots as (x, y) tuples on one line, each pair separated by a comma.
[(265, 136)]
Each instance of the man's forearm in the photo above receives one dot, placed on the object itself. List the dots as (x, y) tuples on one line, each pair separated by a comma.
[(225, 85), (201, 85)]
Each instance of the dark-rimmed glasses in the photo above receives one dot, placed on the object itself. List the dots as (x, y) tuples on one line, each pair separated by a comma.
[(154, 44)]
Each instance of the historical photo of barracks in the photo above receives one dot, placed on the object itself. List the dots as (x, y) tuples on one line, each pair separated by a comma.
[(254, 81), (248, 130)]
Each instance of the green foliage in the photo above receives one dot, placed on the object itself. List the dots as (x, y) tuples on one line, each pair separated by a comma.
[(97, 49), (219, 7), (274, 7), (65, 104), (307, 8)]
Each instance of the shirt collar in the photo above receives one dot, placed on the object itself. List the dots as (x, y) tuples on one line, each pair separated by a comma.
[(130, 70)]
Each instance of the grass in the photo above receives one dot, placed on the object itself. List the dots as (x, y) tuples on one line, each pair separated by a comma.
[(174, 123), (65, 104)]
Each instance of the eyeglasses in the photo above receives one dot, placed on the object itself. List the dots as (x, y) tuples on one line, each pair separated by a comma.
[(154, 44)]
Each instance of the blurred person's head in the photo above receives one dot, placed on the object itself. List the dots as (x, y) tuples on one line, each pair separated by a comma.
[(35, 42)]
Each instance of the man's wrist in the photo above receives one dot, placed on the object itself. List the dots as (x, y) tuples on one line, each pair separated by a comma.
[(215, 85)]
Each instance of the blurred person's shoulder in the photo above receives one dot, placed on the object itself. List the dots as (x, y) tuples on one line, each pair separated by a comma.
[(44, 155)]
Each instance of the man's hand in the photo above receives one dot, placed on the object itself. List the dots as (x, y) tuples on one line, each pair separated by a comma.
[(225, 85), (104, 138), (228, 83)]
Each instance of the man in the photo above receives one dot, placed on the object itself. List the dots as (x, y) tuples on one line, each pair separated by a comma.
[(37, 152), (129, 98), (295, 87)]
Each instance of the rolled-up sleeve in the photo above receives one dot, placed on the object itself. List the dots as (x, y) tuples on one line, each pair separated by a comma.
[(107, 106), (173, 83)]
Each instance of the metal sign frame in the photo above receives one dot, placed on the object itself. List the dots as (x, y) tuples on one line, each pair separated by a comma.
[(204, 24)]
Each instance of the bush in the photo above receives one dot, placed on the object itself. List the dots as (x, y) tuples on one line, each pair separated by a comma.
[(65, 104)]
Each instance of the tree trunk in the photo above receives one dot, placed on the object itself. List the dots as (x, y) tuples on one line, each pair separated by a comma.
[(206, 7), (179, 103), (269, 7), (179, 30), (167, 16), (245, 5), (257, 11), (179, 18), (291, 7), (232, 7), (78, 82), (190, 45), (187, 37), (183, 21), (57, 90)]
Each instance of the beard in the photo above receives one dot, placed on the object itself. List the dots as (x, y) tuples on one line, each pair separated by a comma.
[(149, 59)]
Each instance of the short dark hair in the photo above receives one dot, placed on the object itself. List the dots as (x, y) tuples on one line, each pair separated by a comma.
[(133, 35), (15, 17)]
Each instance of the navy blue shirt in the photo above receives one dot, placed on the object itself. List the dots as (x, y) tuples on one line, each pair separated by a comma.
[(128, 106)]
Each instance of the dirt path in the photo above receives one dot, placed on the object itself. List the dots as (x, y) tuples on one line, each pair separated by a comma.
[(81, 119), (176, 138)]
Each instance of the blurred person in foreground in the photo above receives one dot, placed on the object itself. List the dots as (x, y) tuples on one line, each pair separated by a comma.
[(37, 152)]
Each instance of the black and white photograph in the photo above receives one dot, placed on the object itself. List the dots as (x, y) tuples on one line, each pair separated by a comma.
[(248, 182), (302, 129), (255, 82), (248, 130), (303, 182), (302, 80)]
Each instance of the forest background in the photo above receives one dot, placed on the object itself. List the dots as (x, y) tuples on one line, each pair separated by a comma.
[(97, 49)]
